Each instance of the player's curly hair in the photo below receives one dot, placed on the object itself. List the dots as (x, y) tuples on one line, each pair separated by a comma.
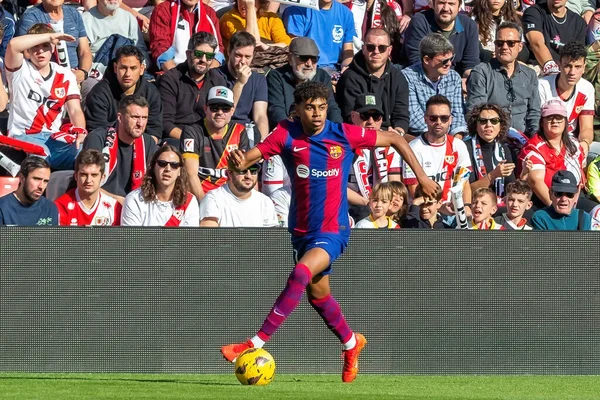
[(310, 90), (503, 115), (149, 183)]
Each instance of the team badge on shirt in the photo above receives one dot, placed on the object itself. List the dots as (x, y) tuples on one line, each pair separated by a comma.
[(335, 152), (450, 159), (60, 92), (178, 214), (188, 145)]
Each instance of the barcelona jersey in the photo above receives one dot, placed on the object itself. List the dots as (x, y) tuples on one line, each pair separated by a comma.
[(318, 167)]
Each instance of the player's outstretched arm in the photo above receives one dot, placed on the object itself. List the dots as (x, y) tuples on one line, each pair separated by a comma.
[(387, 138), (16, 47), (239, 160)]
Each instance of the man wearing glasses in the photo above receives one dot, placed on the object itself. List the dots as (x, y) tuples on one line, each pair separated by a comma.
[(434, 75), (183, 89), (207, 144), (122, 78), (303, 60), (506, 82), (440, 154), (562, 215), (371, 71), (237, 204)]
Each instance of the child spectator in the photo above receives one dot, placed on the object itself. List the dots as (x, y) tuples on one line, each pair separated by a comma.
[(399, 204), (485, 204), (518, 200), (423, 213), (379, 203)]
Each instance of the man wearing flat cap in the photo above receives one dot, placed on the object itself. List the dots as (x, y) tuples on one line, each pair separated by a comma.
[(562, 215), (303, 59)]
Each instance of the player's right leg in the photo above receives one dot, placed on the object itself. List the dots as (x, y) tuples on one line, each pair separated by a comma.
[(312, 263)]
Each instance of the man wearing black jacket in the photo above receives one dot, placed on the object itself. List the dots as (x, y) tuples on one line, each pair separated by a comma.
[(183, 89), (123, 77), (303, 59), (372, 72)]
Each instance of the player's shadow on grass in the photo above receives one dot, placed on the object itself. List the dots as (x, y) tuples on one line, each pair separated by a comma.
[(81, 378)]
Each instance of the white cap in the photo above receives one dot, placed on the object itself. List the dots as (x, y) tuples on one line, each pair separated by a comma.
[(220, 95)]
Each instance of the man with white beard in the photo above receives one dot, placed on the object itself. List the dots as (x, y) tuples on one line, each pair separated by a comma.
[(107, 19), (303, 59)]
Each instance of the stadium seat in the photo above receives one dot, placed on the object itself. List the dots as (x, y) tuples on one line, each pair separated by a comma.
[(8, 185)]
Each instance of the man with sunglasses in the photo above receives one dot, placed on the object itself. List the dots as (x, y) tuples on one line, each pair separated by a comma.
[(506, 82), (303, 59), (372, 71), (574, 92), (124, 77), (562, 214), (371, 165), (207, 144), (440, 154), (443, 17), (434, 76), (236, 204), (183, 89)]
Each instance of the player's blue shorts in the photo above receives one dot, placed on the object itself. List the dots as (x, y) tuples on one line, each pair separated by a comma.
[(333, 244)]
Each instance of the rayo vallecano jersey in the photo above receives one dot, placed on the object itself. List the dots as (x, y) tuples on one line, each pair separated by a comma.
[(72, 212), (36, 104)]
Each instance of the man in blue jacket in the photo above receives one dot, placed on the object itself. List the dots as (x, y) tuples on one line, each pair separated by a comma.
[(459, 29), (562, 215)]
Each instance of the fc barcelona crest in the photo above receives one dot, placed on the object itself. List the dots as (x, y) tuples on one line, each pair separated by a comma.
[(335, 152), (449, 159)]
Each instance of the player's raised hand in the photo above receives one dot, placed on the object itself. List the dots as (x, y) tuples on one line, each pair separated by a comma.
[(57, 37), (235, 159), (429, 188)]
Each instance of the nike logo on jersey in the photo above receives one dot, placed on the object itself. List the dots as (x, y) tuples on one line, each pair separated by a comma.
[(278, 313), (299, 148), (321, 243)]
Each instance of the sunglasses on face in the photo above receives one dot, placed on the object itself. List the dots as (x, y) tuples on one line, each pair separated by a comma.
[(216, 108), (164, 163), (365, 116), (553, 118), (304, 59), (435, 118), (199, 54), (253, 170), (484, 121), (380, 48), (561, 194), (510, 43)]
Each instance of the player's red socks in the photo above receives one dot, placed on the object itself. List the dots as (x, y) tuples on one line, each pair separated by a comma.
[(329, 309), (287, 301)]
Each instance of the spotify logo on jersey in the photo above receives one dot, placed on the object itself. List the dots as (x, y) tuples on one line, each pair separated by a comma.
[(302, 171)]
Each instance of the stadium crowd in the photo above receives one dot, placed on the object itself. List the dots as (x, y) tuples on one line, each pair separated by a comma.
[(128, 110)]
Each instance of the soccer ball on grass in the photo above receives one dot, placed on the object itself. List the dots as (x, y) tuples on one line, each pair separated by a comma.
[(255, 367)]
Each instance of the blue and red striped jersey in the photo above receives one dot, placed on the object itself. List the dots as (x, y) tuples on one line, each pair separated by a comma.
[(318, 167)]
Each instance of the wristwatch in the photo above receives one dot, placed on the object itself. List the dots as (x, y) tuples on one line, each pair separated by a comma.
[(85, 73)]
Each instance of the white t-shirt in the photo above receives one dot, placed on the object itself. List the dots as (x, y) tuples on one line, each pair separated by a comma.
[(137, 212), (369, 223), (230, 211), (276, 184), (37, 105), (439, 161), (581, 101)]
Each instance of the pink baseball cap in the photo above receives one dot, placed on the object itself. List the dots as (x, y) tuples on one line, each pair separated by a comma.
[(554, 107)]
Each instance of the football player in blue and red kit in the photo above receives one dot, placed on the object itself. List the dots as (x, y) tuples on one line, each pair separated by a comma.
[(318, 156)]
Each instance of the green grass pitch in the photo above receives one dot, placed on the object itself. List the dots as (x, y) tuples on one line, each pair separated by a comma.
[(24, 386)]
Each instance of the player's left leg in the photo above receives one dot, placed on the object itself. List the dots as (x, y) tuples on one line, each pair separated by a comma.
[(320, 298)]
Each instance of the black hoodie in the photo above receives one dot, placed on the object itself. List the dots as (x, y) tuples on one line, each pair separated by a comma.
[(391, 89), (103, 100)]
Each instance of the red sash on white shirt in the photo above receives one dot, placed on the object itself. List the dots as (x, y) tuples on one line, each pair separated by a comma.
[(179, 212)]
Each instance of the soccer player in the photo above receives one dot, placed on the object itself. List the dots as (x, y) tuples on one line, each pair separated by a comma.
[(86, 205), (318, 156)]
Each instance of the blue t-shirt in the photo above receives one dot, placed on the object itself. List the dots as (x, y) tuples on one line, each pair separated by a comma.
[(330, 29), (549, 220), (42, 212), (254, 90), (72, 25)]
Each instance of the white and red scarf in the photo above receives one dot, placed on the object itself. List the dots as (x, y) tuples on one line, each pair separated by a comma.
[(111, 151), (480, 169), (368, 171), (179, 212)]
